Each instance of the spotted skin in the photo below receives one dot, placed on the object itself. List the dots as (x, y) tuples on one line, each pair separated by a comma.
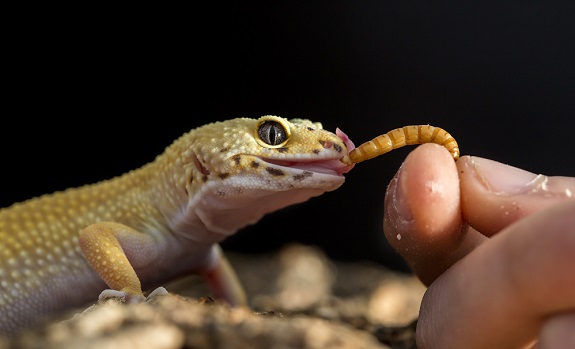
[(165, 219)]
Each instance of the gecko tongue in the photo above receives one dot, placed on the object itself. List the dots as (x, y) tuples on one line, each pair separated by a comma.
[(345, 139)]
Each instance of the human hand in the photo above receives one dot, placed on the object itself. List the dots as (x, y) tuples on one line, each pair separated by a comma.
[(496, 246)]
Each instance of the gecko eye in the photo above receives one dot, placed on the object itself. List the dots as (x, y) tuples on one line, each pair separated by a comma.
[(272, 133)]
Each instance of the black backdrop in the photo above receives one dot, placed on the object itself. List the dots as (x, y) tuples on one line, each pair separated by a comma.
[(93, 92)]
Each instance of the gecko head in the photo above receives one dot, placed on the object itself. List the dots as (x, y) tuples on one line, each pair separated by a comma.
[(291, 153), (256, 166), (295, 153)]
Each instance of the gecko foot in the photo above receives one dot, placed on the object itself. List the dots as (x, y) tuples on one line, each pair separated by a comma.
[(128, 298), (160, 291)]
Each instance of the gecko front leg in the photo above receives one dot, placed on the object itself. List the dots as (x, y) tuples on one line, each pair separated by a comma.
[(105, 246), (113, 249)]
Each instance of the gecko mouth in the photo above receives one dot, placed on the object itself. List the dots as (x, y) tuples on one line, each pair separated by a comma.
[(326, 166)]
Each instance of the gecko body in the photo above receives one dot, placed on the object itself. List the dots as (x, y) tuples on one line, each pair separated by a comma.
[(134, 232)]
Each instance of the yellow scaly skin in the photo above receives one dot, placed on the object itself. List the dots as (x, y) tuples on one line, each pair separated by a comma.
[(163, 220)]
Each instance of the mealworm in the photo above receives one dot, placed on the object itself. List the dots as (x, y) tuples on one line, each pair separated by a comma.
[(408, 135)]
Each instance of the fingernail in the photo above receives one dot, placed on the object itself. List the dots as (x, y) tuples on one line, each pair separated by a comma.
[(400, 197), (500, 178)]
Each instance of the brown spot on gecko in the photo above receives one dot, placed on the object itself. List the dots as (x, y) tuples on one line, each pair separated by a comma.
[(204, 178), (315, 151), (337, 147), (302, 176), (282, 150), (223, 150), (186, 188), (255, 164), (274, 171), (237, 159), (311, 128), (224, 175)]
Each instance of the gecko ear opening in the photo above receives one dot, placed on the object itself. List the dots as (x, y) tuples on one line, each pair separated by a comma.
[(272, 132), (199, 166)]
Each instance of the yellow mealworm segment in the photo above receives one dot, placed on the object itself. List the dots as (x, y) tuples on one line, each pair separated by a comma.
[(408, 135)]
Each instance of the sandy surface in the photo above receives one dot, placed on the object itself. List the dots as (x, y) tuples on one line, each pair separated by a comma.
[(297, 299)]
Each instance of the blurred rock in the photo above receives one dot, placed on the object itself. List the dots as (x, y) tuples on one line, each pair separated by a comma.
[(298, 299)]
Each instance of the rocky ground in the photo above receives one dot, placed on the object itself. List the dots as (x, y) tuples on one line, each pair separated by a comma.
[(298, 299)]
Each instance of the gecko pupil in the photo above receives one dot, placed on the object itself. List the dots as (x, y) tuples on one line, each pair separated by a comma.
[(272, 133)]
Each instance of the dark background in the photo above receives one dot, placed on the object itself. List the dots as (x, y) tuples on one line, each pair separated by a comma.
[(90, 93)]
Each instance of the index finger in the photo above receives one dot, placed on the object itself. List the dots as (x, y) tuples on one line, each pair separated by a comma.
[(494, 195)]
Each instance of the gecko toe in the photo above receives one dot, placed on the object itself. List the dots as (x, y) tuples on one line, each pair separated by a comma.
[(122, 296), (160, 291)]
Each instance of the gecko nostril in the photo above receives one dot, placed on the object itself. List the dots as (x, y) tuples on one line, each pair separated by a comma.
[(326, 144)]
